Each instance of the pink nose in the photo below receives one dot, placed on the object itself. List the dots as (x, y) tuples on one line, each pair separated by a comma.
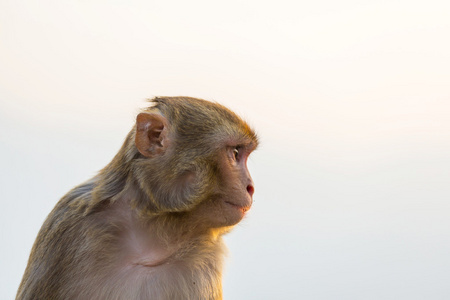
[(250, 189)]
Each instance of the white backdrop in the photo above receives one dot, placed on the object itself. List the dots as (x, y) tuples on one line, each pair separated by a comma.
[(351, 100)]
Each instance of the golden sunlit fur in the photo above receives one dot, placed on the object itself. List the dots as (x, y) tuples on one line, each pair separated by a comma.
[(149, 225)]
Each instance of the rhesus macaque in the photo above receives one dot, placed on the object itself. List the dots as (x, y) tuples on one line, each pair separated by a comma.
[(149, 225)]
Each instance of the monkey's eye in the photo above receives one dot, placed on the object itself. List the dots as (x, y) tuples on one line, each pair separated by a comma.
[(236, 153)]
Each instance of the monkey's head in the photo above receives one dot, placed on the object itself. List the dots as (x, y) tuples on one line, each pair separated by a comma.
[(192, 158)]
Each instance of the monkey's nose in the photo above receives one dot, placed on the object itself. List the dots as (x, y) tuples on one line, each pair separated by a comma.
[(250, 189)]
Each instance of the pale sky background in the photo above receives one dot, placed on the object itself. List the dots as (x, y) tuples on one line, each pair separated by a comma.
[(351, 100)]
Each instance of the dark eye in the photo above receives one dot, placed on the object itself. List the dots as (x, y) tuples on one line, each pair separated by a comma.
[(236, 153)]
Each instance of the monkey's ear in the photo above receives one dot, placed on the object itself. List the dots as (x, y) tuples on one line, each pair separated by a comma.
[(151, 134)]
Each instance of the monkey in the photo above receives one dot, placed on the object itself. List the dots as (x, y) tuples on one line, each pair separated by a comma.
[(149, 225)]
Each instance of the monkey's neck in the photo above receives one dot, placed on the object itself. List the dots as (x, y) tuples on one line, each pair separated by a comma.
[(155, 240)]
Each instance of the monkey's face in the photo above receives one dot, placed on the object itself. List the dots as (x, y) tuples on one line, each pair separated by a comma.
[(234, 195)]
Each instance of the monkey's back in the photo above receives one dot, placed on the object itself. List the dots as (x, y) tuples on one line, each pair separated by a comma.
[(62, 252)]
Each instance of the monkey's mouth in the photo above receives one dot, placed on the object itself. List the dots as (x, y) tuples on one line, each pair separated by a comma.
[(244, 209)]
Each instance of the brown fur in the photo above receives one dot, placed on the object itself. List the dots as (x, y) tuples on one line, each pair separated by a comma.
[(149, 225)]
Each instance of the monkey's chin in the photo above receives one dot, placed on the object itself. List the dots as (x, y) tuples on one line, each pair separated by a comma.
[(234, 213)]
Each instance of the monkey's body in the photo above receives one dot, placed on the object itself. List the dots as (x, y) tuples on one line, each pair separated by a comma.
[(141, 231), (107, 266)]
